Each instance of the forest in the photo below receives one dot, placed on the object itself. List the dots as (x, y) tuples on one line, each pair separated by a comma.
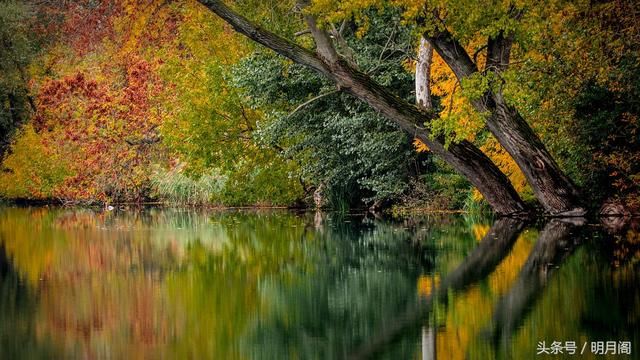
[(515, 106)]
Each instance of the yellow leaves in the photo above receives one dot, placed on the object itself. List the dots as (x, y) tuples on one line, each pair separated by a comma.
[(508, 166), (207, 38), (458, 115), (141, 17), (420, 146), (31, 170), (332, 11), (411, 8)]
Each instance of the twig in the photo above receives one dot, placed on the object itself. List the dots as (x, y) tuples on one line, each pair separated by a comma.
[(475, 54), (306, 103), (303, 32)]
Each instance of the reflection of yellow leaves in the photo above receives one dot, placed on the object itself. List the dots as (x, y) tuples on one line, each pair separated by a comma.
[(109, 277), (472, 310), (480, 230), (426, 284), (506, 273)]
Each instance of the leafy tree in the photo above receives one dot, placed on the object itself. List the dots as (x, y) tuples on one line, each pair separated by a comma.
[(132, 93), (212, 127), (17, 50), (343, 146)]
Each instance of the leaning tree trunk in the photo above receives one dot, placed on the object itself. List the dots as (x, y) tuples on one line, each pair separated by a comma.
[(555, 191), (464, 157)]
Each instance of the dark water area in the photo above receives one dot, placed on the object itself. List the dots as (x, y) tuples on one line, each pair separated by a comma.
[(180, 284)]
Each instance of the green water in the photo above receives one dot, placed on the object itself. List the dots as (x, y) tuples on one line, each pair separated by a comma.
[(177, 284)]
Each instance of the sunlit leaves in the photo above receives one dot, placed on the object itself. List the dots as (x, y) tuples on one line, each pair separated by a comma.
[(32, 170)]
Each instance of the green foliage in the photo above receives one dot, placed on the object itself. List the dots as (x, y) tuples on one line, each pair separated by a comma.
[(608, 132), (355, 153), (263, 180), (16, 53), (153, 100), (576, 82), (212, 128), (440, 188)]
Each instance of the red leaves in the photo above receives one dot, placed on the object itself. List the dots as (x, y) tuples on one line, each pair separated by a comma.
[(100, 125), (58, 99), (88, 23)]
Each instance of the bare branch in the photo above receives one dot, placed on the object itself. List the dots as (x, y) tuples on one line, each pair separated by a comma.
[(312, 100), (302, 32)]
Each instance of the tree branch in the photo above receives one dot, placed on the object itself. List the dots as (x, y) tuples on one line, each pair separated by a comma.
[(324, 46), (453, 53), (499, 47), (310, 101), (423, 72), (463, 156), (262, 36), (499, 52), (346, 51)]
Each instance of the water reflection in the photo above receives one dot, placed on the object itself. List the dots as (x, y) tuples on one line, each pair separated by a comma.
[(270, 285), (556, 242)]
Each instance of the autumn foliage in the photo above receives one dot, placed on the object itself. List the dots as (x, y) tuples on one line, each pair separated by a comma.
[(144, 100)]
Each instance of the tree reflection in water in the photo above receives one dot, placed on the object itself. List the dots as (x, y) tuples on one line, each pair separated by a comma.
[(525, 311), (80, 283)]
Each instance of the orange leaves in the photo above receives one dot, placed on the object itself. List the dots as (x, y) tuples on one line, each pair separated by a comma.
[(106, 130), (420, 146), (60, 100), (86, 23)]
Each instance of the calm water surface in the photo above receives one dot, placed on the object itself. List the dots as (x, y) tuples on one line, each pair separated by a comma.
[(176, 284)]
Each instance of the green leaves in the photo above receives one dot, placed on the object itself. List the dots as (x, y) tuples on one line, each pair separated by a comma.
[(340, 144)]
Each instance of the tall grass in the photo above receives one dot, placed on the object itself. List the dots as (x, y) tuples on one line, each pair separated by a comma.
[(175, 187)]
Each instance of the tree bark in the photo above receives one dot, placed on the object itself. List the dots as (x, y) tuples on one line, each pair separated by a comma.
[(464, 157), (423, 71), (555, 191)]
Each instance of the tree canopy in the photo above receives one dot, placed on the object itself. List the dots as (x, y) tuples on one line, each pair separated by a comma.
[(529, 103)]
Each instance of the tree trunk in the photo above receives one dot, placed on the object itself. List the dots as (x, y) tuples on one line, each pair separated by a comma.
[(555, 191), (464, 157), (423, 71)]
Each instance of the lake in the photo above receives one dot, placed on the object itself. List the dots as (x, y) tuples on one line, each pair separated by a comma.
[(177, 284)]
